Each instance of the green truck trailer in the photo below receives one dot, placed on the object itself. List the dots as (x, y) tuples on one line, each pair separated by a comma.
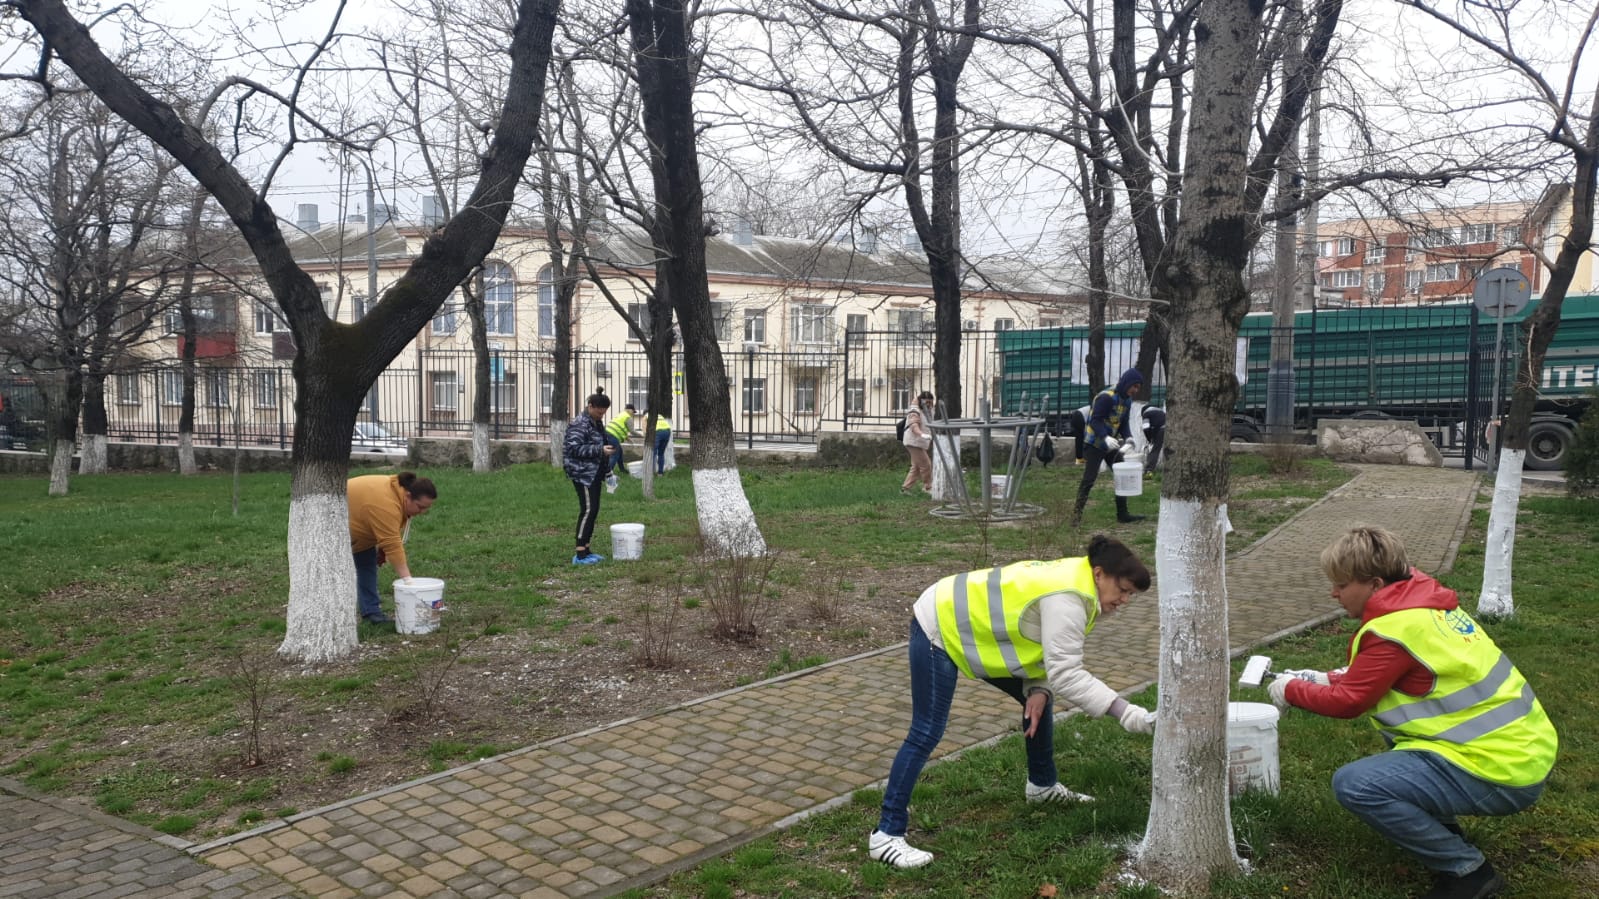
[(1432, 364)]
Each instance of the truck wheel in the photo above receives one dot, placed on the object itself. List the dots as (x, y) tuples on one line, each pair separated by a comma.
[(1547, 442), (1243, 432)]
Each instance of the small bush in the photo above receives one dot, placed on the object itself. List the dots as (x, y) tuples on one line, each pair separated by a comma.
[(1582, 459)]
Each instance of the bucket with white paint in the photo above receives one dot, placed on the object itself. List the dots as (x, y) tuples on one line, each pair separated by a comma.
[(1251, 747), (627, 541), (1130, 475), (417, 604), (636, 468), (997, 485)]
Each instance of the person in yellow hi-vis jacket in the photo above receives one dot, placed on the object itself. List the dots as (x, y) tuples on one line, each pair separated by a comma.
[(1468, 736), (1019, 627)]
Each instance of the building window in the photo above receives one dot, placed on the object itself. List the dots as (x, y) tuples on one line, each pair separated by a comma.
[(640, 314), (1443, 271), (502, 399), (813, 323), (855, 329), (499, 299), (754, 394), (754, 325), (445, 322), (1413, 279), (1438, 237), (265, 321), (1004, 324), (805, 394), (1483, 233), (722, 320), (127, 390), (1375, 282), (444, 390), (855, 396), (546, 392), (1510, 235), (547, 302), (266, 389), (216, 389), (1376, 253), (1341, 246), (1344, 278), (171, 388), (638, 392), (908, 325), (899, 395), (1049, 321)]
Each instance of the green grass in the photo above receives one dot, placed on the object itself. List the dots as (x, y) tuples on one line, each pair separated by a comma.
[(1300, 843), (133, 601)]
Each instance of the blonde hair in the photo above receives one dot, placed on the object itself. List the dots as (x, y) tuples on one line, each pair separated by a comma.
[(1364, 553)]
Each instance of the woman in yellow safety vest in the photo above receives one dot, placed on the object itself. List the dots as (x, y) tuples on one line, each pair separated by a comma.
[(1468, 735), (1019, 627)]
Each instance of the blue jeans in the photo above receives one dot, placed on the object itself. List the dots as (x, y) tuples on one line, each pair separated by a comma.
[(1411, 798), (366, 582), (662, 438), (933, 677)]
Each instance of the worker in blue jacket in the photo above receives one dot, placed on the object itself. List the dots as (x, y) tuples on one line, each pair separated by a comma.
[(1106, 428)]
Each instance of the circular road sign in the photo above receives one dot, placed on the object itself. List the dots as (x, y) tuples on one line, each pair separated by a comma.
[(1501, 291)]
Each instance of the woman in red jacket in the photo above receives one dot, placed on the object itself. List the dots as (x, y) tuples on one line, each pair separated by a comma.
[(1468, 736)]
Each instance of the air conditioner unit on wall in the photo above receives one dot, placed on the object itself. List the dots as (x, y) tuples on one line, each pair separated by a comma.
[(879, 381), (495, 346), (602, 369)]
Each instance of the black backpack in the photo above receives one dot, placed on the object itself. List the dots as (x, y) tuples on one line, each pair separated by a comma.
[(899, 429)]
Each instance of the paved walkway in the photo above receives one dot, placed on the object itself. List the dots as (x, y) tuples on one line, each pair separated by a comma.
[(624, 804)]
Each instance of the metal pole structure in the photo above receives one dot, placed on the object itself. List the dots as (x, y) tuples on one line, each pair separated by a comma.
[(749, 395), (985, 464), (1308, 228), (1499, 355)]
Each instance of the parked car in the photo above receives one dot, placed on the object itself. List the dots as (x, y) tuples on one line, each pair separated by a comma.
[(371, 437)]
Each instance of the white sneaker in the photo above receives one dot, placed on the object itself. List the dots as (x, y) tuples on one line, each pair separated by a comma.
[(895, 851), (1055, 793)]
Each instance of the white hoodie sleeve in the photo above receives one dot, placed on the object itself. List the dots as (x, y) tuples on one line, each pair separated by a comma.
[(1063, 622)]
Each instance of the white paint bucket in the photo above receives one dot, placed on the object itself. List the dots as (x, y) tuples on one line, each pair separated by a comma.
[(1130, 476), (636, 468), (627, 541), (997, 485), (1251, 747), (417, 605)]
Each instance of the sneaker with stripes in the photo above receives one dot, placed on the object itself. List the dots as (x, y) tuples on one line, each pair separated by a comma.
[(1055, 793), (895, 851)]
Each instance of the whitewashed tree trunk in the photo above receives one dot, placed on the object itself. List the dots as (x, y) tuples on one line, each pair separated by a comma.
[(726, 520), (186, 463), (1495, 601), (1189, 811), (92, 455), (946, 455), (61, 468), (322, 603), (557, 441), (481, 462)]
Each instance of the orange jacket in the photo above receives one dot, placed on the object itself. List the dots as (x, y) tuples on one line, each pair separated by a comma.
[(377, 515)]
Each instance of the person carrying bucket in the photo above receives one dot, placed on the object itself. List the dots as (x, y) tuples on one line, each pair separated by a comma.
[(381, 509), (1106, 428), (1467, 735), (1019, 628)]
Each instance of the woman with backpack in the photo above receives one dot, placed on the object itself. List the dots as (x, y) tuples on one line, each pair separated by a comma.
[(917, 439)]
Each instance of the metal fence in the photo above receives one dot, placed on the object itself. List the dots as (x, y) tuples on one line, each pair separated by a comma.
[(1433, 365)]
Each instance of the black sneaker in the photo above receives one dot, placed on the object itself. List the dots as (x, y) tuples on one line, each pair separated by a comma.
[(1129, 519), (1479, 884), (377, 618)]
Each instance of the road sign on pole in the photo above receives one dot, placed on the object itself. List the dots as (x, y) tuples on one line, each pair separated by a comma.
[(1499, 292)]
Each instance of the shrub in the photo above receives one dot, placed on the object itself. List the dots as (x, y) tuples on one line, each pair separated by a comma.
[(1582, 459)]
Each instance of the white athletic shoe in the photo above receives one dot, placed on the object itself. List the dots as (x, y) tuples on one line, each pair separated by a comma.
[(895, 851), (1055, 793)]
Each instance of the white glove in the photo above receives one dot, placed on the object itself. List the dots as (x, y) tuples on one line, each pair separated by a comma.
[(1112, 445), (1307, 675), (1278, 689), (1136, 719)]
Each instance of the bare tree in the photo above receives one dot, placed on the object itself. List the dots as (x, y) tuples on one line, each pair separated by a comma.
[(334, 364), (1567, 116)]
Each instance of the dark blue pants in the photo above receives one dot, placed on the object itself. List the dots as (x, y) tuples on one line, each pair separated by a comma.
[(366, 582), (662, 439)]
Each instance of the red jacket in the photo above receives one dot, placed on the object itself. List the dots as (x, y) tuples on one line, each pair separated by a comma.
[(1380, 665)]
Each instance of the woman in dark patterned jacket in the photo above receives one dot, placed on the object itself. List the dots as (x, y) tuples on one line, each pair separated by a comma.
[(586, 458)]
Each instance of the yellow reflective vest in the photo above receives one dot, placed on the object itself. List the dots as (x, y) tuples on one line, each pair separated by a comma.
[(1481, 713), (980, 612), (618, 425), (662, 423)]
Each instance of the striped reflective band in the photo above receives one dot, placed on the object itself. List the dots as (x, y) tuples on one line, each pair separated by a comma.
[(1487, 722), (1002, 638), (1457, 701)]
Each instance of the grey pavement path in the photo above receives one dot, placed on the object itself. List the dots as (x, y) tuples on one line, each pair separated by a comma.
[(622, 805)]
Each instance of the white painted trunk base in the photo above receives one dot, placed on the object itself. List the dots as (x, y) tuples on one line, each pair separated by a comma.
[(92, 455), (322, 604), (557, 441), (61, 468), (946, 454), (726, 520), (1189, 834), (186, 454), (1495, 601), (481, 462)]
